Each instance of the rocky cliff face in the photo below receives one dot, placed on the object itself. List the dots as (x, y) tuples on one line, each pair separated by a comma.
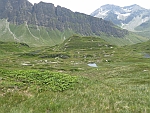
[(16, 11), (47, 15)]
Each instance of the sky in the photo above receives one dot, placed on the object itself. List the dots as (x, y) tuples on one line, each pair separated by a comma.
[(89, 6)]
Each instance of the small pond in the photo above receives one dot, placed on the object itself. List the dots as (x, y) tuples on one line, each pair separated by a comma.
[(146, 55), (92, 65)]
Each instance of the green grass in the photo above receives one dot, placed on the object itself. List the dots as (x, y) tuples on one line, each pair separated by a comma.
[(37, 36), (144, 29), (129, 39), (11, 47), (40, 80), (58, 80), (103, 90), (31, 34)]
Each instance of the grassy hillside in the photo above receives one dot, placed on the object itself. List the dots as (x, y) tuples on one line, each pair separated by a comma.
[(142, 47), (58, 79), (78, 43), (42, 36), (12, 47), (144, 29), (31, 35), (130, 39)]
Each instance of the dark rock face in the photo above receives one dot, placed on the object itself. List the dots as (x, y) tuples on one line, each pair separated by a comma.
[(46, 14), (43, 14), (16, 11)]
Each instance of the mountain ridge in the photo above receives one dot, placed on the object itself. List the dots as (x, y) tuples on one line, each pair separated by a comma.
[(47, 15), (43, 24), (128, 17)]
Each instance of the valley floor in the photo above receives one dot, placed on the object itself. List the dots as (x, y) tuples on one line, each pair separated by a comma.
[(46, 80)]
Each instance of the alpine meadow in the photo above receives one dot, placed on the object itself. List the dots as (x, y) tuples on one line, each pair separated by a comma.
[(54, 60)]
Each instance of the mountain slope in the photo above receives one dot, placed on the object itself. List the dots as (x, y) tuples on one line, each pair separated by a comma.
[(12, 47), (31, 34), (45, 24), (128, 17), (83, 43), (47, 15)]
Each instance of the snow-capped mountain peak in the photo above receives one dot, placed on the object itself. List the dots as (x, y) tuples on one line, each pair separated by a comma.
[(126, 17)]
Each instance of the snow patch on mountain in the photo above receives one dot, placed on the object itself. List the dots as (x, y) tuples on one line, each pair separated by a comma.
[(128, 17), (135, 22), (127, 10), (102, 13), (122, 16)]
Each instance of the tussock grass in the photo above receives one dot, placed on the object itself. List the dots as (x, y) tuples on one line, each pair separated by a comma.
[(120, 83)]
